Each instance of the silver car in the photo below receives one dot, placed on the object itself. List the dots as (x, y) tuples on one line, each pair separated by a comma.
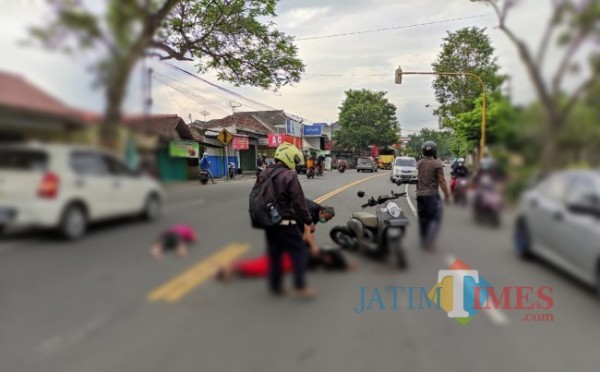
[(559, 220)]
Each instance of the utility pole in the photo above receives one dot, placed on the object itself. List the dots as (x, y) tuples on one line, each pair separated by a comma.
[(233, 105), (204, 113)]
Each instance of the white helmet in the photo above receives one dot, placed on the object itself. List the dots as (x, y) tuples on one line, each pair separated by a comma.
[(461, 160)]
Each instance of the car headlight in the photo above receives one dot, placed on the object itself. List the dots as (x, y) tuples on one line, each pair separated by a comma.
[(393, 209)]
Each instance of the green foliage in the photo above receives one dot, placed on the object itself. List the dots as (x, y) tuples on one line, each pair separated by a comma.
[(235, 38), (444, 140), (465, 50), (366, 117)]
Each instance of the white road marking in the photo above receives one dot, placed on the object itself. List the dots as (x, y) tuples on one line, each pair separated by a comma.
[(410, 204), (496, 316)]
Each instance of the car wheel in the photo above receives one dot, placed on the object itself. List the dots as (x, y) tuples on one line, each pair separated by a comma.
[(151, 207), (73, 223), (522, 239)]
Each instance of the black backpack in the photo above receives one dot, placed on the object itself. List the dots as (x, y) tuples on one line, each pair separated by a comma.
[(264, 211)]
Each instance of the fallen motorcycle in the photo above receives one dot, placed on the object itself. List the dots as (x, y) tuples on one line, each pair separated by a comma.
[(377, 235)]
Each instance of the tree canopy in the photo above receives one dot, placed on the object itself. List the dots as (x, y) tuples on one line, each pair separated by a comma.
[(235, 38), (366, 118)]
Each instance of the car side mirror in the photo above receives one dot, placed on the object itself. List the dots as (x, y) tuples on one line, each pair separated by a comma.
[(360, 194)]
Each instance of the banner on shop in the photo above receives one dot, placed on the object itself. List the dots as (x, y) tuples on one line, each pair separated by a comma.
[(241, 143)]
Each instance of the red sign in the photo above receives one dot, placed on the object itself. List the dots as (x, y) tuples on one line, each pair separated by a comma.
[(241, 143), (275, 139), (328, 146), (374, 151), (296, 141)]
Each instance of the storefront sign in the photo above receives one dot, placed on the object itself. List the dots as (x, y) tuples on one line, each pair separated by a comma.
[(184, 149), (275, 139), (293, 127), (315, 130), (241, 143)]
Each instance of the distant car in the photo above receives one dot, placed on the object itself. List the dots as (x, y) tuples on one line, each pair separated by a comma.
[(66, 188), (366, 164), (404, 170), (559, 220)]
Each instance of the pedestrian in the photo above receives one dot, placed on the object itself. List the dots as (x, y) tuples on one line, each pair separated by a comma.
[(175, 239), (429, 205), (205, 166), (286, 236)]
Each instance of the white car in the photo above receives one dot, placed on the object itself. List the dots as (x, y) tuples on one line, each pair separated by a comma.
[(67, 187), (559, 220), (404, 170)]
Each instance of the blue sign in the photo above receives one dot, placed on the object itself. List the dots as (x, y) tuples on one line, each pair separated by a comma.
[(293, 127), (315, 130)]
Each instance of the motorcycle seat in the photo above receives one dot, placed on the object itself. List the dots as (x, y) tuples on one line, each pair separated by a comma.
[(367, 219)]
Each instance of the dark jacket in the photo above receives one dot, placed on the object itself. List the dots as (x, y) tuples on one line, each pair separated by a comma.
[(290, 197)]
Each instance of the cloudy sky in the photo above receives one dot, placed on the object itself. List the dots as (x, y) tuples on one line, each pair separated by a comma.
[(415, 32)]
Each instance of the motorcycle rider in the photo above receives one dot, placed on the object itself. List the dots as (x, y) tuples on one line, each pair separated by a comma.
[(458, 172), (286, 237), (429, 204), (205, 166)]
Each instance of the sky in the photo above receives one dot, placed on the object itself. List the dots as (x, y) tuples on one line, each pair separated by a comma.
[(414, 34)]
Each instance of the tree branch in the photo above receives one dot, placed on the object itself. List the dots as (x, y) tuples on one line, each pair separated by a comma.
[(565, 61), (170, 51)]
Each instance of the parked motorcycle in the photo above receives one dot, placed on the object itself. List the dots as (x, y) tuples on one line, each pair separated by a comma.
[(459, 193), (231, 170), (379, 235), (487, 203)]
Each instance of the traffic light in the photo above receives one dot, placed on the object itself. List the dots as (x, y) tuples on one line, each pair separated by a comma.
[(399, 75)]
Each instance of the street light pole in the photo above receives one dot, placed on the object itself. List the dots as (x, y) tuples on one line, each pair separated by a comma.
[(399, 74)]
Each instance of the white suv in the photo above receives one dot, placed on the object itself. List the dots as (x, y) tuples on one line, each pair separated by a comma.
[(404, 170), (67, 187)]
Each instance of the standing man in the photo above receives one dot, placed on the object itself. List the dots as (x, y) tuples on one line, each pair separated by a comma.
[(205, 165), (429, 204), (286, 237)]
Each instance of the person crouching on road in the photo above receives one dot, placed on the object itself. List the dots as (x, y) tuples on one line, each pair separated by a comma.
[(175, 239), (429, 204), (286, 237), (330, 259)]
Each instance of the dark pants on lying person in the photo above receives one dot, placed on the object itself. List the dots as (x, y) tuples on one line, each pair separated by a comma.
[(430, 217), (279, 240)]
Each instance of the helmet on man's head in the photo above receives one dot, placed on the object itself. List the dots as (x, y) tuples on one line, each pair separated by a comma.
[(289, 155), (429, 148), (205, 154)]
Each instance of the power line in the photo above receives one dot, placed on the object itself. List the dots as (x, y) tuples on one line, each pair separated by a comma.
[(394, 28), (349, 75), (252, 101)]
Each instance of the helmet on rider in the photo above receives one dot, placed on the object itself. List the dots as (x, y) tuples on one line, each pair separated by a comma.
[(461, 161), (429, 148), (289, 155)]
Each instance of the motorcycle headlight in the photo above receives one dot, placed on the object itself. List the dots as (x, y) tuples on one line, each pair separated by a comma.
[(393, 209)]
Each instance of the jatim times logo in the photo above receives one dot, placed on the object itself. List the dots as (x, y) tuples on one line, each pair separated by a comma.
[(462, 292)]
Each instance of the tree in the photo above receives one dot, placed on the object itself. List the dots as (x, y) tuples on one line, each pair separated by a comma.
[(466, 50), (442, 138), (232, 37), (366, 117), (574, 25)]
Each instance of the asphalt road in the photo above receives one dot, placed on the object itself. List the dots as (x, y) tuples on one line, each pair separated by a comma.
[(89, 305)]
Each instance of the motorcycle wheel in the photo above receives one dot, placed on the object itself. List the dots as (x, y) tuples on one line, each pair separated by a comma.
[(343, 237), (203, 179)]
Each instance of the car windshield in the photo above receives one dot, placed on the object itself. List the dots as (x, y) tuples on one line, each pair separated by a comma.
[(364, 161), (23, 160), (406, 162)]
